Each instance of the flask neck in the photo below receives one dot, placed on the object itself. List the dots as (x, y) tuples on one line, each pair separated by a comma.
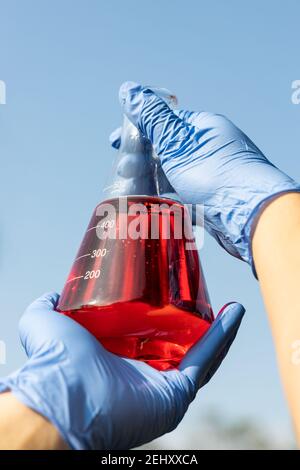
[(138, 170)]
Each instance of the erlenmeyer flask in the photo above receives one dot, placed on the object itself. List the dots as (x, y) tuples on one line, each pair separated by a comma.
[(136, 283)]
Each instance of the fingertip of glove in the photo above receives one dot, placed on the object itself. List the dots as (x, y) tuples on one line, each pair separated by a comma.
[(231, 314), (126, 89), (115, 138), (48, 299), (232, 306)]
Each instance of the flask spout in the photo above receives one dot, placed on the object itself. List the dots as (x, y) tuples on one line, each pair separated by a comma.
[(138, 169)]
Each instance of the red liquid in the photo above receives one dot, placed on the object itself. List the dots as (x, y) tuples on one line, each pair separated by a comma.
[(143, 298)]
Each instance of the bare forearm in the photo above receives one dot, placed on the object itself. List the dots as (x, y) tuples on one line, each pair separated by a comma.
[(276, 250), (23, 429)]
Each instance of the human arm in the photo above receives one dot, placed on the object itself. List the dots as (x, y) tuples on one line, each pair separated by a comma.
[(21, 428), (276, 252)]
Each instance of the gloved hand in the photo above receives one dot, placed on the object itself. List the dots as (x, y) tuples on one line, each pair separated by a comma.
[(101, 401), (208, 161)]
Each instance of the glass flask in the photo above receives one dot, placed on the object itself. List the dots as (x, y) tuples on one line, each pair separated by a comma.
[(136, 283)]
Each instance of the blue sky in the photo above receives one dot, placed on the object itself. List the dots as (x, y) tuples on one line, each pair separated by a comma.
[(63, 62)]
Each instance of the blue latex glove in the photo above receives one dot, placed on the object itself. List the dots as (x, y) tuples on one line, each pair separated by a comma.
[(208, 161), (101, 401)]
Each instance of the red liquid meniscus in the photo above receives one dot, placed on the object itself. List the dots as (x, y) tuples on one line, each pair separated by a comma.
[(137, 284)]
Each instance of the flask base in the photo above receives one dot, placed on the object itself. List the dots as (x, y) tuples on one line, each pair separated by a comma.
[(158, 336)]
